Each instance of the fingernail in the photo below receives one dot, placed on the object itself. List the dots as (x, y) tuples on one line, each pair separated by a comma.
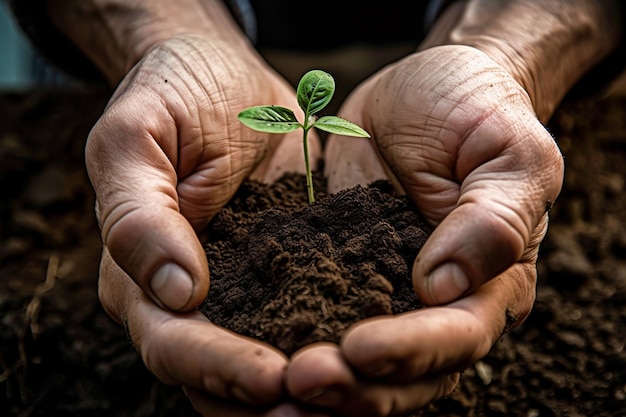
[(323, 397), (447, 283), (172, 285)]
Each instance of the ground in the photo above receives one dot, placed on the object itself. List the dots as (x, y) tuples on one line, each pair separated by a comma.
[(60, 355)]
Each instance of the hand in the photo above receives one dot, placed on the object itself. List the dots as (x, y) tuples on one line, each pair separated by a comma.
[(223, 374), (459, 135), (169, 152), (165, 156)]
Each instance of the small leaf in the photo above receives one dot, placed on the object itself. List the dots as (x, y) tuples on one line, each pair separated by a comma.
[(315, 90), (339, 126), (269, 119)]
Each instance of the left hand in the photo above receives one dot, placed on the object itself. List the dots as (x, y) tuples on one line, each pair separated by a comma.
[(459, 135), (165, 156)]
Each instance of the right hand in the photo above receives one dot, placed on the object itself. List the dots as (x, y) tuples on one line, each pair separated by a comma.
[(455, 132), (165, 156)]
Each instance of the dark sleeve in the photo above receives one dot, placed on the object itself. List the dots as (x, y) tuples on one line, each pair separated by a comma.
[(600, 77), (433, 11), (50, 43), (594, 81), (345, 23), (59, 51)]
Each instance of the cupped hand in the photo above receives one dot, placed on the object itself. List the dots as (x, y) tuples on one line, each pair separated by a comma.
[(459, 135), (166, 155), (222, 373), (169, 152), (186, 349)]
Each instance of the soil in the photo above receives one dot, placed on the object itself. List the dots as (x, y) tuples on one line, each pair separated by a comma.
[(290, 273), (61, 355)]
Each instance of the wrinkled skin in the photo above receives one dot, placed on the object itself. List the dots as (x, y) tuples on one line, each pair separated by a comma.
[(450, 128), (165, 156), (459, 136)]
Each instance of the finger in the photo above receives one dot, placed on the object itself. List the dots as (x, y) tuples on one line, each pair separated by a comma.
[(138, 209), (352, 161), (286, 155), (186, 349), (505, 187), (166, 155), (319, 375), (473, 244), (472, 155), (445, 338), (349, 162), (498, 210), (210, 406)]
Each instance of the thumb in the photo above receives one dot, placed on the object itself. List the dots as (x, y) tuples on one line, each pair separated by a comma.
[(157, 247), (139, 216), (471, 246), (498, 220)]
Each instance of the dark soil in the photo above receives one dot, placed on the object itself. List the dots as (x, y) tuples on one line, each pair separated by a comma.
[(60, 355), (291, 274)]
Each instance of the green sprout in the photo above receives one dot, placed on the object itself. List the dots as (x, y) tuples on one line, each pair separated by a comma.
[(315, 90)]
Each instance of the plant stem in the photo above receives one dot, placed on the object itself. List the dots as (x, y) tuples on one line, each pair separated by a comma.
[(307, 166)]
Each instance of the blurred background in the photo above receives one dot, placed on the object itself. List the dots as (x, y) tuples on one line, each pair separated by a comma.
[(20, 66), (17, 59)]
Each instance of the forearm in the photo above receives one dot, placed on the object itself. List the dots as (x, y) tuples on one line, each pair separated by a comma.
[(115, 34), (545, 45)]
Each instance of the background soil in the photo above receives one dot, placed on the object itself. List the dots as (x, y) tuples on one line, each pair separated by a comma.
[(60, 355)]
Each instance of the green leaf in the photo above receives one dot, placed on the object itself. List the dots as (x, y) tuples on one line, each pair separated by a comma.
[(269, 119), (339, 126), (315, 90)]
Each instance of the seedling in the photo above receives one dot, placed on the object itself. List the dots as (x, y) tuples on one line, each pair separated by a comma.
[(315, 90)]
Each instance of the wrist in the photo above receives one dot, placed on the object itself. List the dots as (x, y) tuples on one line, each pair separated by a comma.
[(546, 46), (116, 34)]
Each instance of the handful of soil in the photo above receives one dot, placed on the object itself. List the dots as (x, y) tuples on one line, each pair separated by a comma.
[(291, 274)]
